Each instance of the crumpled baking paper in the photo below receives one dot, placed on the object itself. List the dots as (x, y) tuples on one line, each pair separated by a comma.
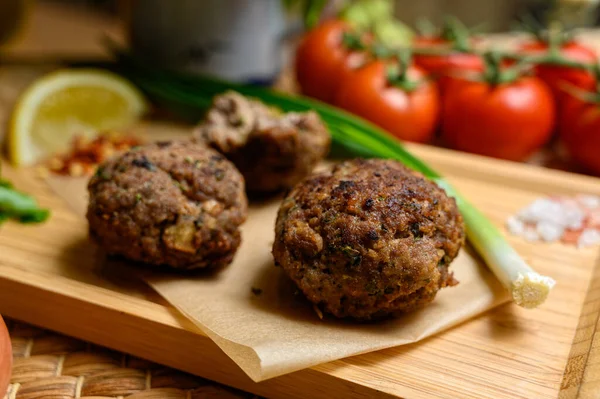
[(253, 312)]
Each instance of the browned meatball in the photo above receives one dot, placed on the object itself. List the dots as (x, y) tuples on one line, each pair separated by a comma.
[(171, 203), (273, 151), (368, 239)]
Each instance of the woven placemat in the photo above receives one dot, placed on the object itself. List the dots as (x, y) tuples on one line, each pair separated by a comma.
[(49, 365)]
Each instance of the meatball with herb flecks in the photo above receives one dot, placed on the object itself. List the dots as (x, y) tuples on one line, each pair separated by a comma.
[(368, 239), (169, 203), (273, 150)]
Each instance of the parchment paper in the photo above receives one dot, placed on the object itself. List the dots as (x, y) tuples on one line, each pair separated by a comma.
[(273, 331)]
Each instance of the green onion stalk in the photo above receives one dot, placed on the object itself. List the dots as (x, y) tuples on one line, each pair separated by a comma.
[(19, 206), (351, 136)]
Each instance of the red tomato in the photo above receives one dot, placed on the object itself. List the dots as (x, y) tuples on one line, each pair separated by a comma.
[(579, 130), (353, 62), (507, 121), (554, 75), (440, 40), (5, 358), (426, 41), (445, 66), (410, 116), (322, 61)]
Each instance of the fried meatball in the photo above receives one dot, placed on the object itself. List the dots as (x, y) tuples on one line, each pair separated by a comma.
[(169, 203), (368, 239), (273, 151)]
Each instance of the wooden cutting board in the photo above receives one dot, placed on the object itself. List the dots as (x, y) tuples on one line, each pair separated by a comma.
[(48, 278)]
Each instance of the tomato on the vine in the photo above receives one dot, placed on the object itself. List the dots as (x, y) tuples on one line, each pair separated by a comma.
[(323, 59), (557, 75), (579, 129), (447, 54), (399, 99), (503, 115), (449, 65), (426, 41)]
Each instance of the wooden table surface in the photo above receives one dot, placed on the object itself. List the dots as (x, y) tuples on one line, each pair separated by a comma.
[(50, 31)]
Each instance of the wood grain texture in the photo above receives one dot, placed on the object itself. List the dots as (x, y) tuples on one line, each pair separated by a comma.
[(48, 278), (507, 353), (582, 374)]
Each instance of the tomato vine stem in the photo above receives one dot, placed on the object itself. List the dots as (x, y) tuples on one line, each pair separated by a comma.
[(397, 74)]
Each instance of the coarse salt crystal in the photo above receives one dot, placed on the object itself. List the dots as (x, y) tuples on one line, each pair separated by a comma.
[(564, 215), (589, 201), (572, 220), (594, 219), (538, 210), (549, 231), (589, 237), (515, 226)]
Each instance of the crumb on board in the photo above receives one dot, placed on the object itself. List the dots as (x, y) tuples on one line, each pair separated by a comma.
[(571, 220), (318, 312), (256, 291), (85, 154)]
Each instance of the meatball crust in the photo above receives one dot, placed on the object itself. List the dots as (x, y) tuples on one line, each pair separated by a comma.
[(272, 150), (368, 239), (169, 203)]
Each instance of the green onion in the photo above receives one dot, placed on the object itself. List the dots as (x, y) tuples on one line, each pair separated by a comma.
[(350, 136), (22, 207)]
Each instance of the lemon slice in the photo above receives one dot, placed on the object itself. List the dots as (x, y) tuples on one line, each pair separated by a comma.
[(67, 103)]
